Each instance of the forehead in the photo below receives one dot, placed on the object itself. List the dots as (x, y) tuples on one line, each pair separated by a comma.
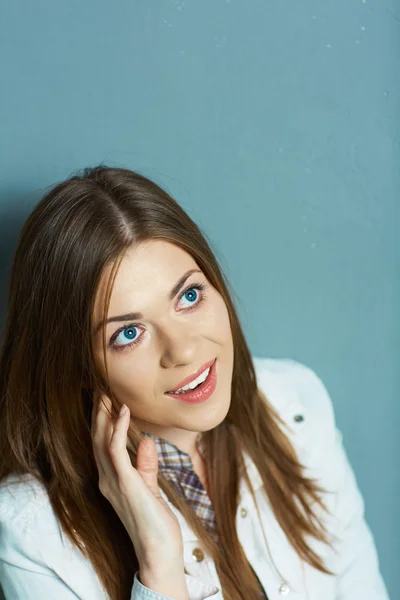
[(148, 268)]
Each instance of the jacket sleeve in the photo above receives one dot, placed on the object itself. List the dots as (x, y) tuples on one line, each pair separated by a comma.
[(25, 571), (38, 561), (357, 570), (197, 590), (24, 575)]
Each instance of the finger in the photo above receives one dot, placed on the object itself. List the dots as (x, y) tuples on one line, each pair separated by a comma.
[(95, 436), (103, 433), (106, 419), (147, 464), (117, 448), (95, 407), (95, 401)]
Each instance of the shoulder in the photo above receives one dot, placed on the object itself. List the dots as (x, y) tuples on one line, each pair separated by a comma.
[(26, 519), (300, 398), (21, 496), (288, 381), (36, 557)]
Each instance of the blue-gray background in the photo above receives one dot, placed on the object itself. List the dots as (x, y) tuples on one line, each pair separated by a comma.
[(276, 126)]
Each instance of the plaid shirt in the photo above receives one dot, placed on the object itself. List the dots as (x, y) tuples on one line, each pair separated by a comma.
[(177, 468)]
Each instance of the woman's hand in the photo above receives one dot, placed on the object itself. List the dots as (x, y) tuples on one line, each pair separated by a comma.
[(134, 492)]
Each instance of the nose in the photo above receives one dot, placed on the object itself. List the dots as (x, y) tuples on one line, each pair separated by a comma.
[(179, 348)]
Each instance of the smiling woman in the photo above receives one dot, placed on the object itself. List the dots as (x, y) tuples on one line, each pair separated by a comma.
[(144, 453), (169, 341)]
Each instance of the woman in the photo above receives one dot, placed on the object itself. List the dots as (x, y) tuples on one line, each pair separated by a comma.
[(237, 489)]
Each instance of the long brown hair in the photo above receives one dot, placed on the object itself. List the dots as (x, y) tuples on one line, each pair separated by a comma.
[(48, 373)]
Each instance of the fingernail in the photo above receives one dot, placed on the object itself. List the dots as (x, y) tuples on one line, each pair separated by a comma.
[(123, 410)]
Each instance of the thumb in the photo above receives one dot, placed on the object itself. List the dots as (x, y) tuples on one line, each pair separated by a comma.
[(147, 464)]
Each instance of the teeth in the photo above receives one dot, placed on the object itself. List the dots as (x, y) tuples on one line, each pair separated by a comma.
[(193, 383)]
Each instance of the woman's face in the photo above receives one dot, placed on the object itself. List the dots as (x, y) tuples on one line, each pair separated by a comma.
[(174, 337)]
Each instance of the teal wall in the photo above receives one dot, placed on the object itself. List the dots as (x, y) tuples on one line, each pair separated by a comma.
[(276, 125)]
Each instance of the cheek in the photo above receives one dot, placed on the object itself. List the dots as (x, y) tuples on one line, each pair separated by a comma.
[(220, 321), (127, 372), (124, 377), (121, 375), (135, 390)]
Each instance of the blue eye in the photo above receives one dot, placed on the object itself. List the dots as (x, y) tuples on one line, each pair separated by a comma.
[(125, 337), (190, 293)]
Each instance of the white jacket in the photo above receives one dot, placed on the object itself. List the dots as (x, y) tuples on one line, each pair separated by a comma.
[(39, 563)]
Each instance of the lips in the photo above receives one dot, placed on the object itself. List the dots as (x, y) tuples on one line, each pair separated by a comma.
[(201, 393), (192, 377)]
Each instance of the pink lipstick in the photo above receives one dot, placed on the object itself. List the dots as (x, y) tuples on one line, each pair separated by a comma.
[(200, 393)]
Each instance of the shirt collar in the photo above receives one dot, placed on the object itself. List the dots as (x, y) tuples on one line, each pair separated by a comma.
[(171, 457)]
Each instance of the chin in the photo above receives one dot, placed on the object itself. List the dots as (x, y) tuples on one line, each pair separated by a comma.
[(214, 418)]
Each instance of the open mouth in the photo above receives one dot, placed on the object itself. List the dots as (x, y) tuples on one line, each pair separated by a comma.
[(205, 387), (201, 381)]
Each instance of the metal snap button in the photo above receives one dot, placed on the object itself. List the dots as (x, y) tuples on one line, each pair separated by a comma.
[(243, 512), (298, 418), (283, 589), (198, 554)]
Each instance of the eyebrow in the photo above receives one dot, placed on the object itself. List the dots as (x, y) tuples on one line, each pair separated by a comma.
[(138, 315)]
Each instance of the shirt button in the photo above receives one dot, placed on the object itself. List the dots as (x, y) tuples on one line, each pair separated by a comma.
[(283, 589), (198, 554), (243, 512)]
